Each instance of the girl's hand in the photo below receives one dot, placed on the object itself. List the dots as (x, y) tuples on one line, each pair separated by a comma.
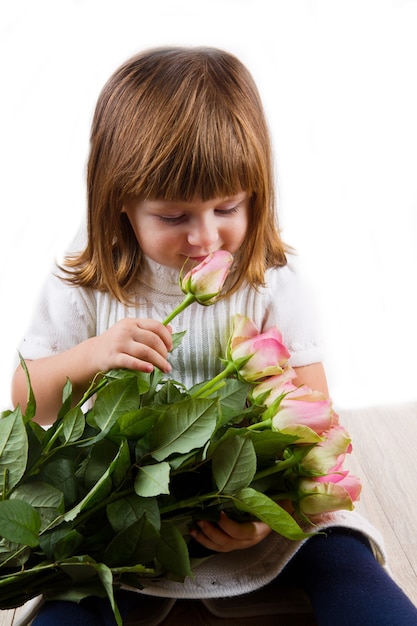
[(228, 535), (137, 344)]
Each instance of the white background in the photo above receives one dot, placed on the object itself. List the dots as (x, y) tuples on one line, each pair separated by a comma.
[(339, 84)]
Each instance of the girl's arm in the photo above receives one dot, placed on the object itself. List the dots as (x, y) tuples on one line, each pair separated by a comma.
[(138, 344), (313, 376)]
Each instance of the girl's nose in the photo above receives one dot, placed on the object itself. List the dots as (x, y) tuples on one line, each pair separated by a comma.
[(203, 233)]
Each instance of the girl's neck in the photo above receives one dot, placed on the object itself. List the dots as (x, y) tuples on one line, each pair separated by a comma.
[(160, 277)]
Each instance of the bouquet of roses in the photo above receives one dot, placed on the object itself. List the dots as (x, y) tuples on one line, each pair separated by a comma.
[(106, 495)]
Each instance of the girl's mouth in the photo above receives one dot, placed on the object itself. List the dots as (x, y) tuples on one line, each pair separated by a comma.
[(198, 259)]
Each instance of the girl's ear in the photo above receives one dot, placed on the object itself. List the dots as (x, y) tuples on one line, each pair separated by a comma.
[(123, 209)]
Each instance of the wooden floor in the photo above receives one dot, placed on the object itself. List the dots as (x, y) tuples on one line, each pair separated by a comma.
[(385, 451)]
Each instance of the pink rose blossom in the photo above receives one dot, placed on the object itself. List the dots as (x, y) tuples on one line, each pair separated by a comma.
[(304, 413), (321, 496), (328, 456), (262, 354), (206, 280), (273, 387)]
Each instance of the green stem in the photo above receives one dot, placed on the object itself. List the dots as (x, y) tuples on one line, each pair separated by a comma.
[(189, 299), (261, 425), (212, 390), (15, 592), (189, 502), (52, 441), (13, 556), (278, 467), (93, 389), (213, 384)]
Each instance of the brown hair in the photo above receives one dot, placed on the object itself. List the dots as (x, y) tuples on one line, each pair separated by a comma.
[(176, 124)]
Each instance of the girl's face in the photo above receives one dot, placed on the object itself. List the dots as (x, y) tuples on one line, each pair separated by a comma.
[(172, 232)]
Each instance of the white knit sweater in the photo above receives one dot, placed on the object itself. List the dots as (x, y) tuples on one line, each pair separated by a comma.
[(67, 315)]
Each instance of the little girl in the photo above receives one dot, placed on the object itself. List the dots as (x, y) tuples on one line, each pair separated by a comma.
[(180, 166)]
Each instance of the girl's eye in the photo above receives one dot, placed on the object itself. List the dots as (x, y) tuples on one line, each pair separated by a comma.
[(230, 211), (178, 219), (171, 220)]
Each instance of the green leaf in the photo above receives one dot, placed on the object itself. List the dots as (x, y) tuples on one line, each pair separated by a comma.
[(118, 397), (84, 569), (184, 426), (13, 449), (156, 378), (14, 554), (153, 480), (19, 522), (60, 472), (232, 399), (177, 461), (106, 578), (135, 545), (169, 394), (123, 463), (125, 511), (268, 511), (31, 402), (80, 568), (66, 399), (173, 552), (74, 593), (136, 424), (96, 492), (270, 444), (60, 542), (142, 378), (46, 499), (35, 435), (73, 425), (101, 455), (177, 339), (234, 464)]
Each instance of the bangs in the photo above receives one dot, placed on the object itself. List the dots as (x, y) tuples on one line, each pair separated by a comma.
[(199, 133), (212, 161)]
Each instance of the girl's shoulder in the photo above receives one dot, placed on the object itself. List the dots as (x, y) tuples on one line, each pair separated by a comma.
[(286, 280), (58, 285), (64, 299)]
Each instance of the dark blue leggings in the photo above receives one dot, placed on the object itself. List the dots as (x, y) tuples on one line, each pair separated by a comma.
[(345, 584)]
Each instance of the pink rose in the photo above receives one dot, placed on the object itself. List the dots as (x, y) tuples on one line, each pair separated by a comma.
[(304, 413), (206, 280), (323, 495), (273, 387), (328, 456), (256, 355)]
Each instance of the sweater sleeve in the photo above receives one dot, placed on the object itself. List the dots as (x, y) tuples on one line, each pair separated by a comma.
[(63, 317), (291, 307)]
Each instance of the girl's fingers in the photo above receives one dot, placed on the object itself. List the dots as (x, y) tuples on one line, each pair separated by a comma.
[(228, 535)]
